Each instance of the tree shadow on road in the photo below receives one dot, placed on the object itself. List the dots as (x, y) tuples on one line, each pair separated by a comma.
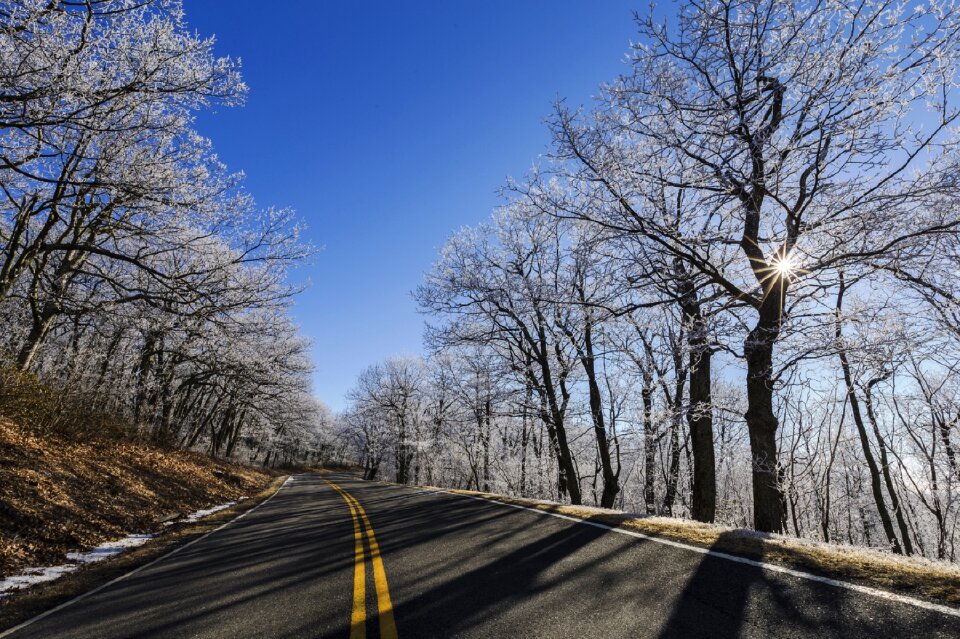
[(535, 576), (732, 595)]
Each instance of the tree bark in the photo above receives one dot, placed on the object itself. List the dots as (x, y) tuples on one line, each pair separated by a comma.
[(885, 469), (649, 441), (700, 412), (569, 481), (700, 421), (42, 320), (769, 507)]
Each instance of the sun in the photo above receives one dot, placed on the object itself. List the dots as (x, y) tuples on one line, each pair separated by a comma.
[(785, 267)]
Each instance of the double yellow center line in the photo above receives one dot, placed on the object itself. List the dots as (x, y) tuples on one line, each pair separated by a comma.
[(358, 618)]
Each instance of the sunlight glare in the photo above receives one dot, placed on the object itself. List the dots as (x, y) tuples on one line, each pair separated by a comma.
[(785, 267)]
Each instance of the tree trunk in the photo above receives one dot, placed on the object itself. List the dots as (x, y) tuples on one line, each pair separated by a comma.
[(649, 442), (875, 482), (700, 420), (885, 469), (524, 439), (700, 412), (568, 479), (39, 327), (673, 474), (611, 485), (769, 507), (486, 446)]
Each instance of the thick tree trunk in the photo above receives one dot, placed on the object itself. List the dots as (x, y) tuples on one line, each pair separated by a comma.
[(39, 327), (44, 313), (700, 421), (142, 371), (769, 507), (769, 504)]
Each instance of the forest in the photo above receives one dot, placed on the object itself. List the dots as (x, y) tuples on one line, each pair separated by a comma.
[(143, 293), (727, 292)]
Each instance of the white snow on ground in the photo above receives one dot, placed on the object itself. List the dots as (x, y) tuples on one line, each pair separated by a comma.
[(109, 549), (32, 576), (200, 514)]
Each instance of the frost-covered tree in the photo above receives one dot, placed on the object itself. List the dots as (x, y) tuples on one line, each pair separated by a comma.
[(135, 273), (806, 137)]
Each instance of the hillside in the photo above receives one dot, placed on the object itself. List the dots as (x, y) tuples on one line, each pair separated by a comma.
[(58, 495)]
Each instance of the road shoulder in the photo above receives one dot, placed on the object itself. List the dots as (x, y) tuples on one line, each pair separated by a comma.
[(22, 606), (902, 578)]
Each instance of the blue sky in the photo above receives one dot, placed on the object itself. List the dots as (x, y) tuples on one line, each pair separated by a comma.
[(389, 125)]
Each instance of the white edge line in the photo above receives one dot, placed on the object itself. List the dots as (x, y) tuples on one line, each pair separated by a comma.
[(867, 590), (44, 615)]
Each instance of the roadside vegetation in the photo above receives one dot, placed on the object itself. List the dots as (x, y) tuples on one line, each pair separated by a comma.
[(139, 281), (728, 293), (27, 603), (60, 495), (145, 334)]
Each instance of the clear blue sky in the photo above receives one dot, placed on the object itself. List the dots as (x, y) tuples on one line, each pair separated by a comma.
[(389, 125)]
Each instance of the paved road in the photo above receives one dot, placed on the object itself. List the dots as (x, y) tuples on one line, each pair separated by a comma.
[(456, 567)]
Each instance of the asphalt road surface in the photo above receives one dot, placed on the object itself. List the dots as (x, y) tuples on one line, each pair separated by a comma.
[(304, 564)]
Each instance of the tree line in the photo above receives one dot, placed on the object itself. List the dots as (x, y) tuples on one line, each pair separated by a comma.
[(728, 292), (136, 274)]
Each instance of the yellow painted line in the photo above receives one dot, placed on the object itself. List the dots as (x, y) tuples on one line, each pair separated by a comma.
[(358, 617), (388, 627)]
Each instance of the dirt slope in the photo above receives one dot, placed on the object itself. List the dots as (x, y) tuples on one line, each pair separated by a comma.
[(58, 495)]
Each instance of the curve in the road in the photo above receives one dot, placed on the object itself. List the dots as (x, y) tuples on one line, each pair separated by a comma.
[(459, 567)]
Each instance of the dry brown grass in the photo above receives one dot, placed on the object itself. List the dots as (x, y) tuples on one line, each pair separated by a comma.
[(915, 577), (58, 494), (23, 605)]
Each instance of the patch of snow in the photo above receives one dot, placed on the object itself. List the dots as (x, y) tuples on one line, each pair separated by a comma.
[(32, 576), (200, 514), (109, 549)]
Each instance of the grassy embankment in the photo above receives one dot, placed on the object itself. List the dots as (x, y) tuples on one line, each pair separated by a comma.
[(72, 478), (58, 495)]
